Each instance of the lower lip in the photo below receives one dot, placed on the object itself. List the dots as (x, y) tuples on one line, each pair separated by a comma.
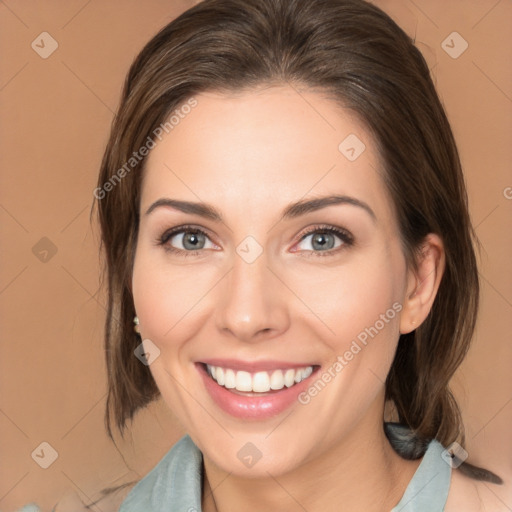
[(256, 407)]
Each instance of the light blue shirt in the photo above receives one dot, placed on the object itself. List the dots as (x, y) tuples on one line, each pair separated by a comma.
[(174, 484)]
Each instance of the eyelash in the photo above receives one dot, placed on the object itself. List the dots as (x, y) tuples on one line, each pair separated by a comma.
[(345, 236)]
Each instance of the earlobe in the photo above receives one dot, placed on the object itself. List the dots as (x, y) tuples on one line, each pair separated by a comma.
[(422, 285)]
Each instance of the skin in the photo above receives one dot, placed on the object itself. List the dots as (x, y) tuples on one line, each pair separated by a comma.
[(250, 155)]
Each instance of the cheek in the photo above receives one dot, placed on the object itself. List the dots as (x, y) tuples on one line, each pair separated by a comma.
[(359, 306), (352, 298), (168, 298)]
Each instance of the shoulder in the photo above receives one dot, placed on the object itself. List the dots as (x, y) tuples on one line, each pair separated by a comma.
[(109, 500), (477, 496), (175, 479)]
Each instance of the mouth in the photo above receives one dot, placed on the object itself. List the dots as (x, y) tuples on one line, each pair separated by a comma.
[(258, 393), (258, 382)]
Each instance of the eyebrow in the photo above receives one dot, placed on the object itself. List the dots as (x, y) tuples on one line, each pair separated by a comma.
[(292, 211)]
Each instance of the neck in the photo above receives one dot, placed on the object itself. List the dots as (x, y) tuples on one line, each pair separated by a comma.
[(361, 472)]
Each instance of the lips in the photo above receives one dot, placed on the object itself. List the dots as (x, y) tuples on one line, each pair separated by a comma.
[(239, 396)]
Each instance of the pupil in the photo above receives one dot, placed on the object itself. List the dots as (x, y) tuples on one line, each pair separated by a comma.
[(320, 239), (192, 239)]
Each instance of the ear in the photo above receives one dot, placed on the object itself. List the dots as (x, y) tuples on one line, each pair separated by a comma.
[(423, 284)]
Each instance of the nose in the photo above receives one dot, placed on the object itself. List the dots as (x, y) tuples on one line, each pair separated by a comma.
[(252, 305)]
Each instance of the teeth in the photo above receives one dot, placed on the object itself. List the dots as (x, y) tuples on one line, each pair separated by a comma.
[(259, 382), (219, 375), (243, 381), (277, 380), (306, 372), (289, 378), (230, 379)]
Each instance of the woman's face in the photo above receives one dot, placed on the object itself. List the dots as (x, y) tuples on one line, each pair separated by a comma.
[(261, 288)]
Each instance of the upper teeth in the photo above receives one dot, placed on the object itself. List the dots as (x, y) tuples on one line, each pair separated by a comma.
[(258, 382)]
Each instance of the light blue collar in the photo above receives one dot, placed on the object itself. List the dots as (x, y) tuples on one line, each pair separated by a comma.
[(175, 483)]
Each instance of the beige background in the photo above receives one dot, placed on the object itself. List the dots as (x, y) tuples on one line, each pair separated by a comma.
[(56, 114)]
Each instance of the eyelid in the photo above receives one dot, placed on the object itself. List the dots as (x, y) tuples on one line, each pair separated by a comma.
[(343, 234), (163, 239), (168, 233)]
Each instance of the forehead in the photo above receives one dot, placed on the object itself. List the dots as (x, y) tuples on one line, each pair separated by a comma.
[(272, 145)]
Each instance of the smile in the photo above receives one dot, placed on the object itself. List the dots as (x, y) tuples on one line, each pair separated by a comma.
[(252, 391), (259, 382)]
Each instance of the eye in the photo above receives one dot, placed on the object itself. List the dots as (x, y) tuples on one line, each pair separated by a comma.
[(323, 240), (191, 239)]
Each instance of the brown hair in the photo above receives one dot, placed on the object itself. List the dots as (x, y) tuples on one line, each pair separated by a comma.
[(357, 55)]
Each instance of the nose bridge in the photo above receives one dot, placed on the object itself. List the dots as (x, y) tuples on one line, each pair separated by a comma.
[(251, 301)]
